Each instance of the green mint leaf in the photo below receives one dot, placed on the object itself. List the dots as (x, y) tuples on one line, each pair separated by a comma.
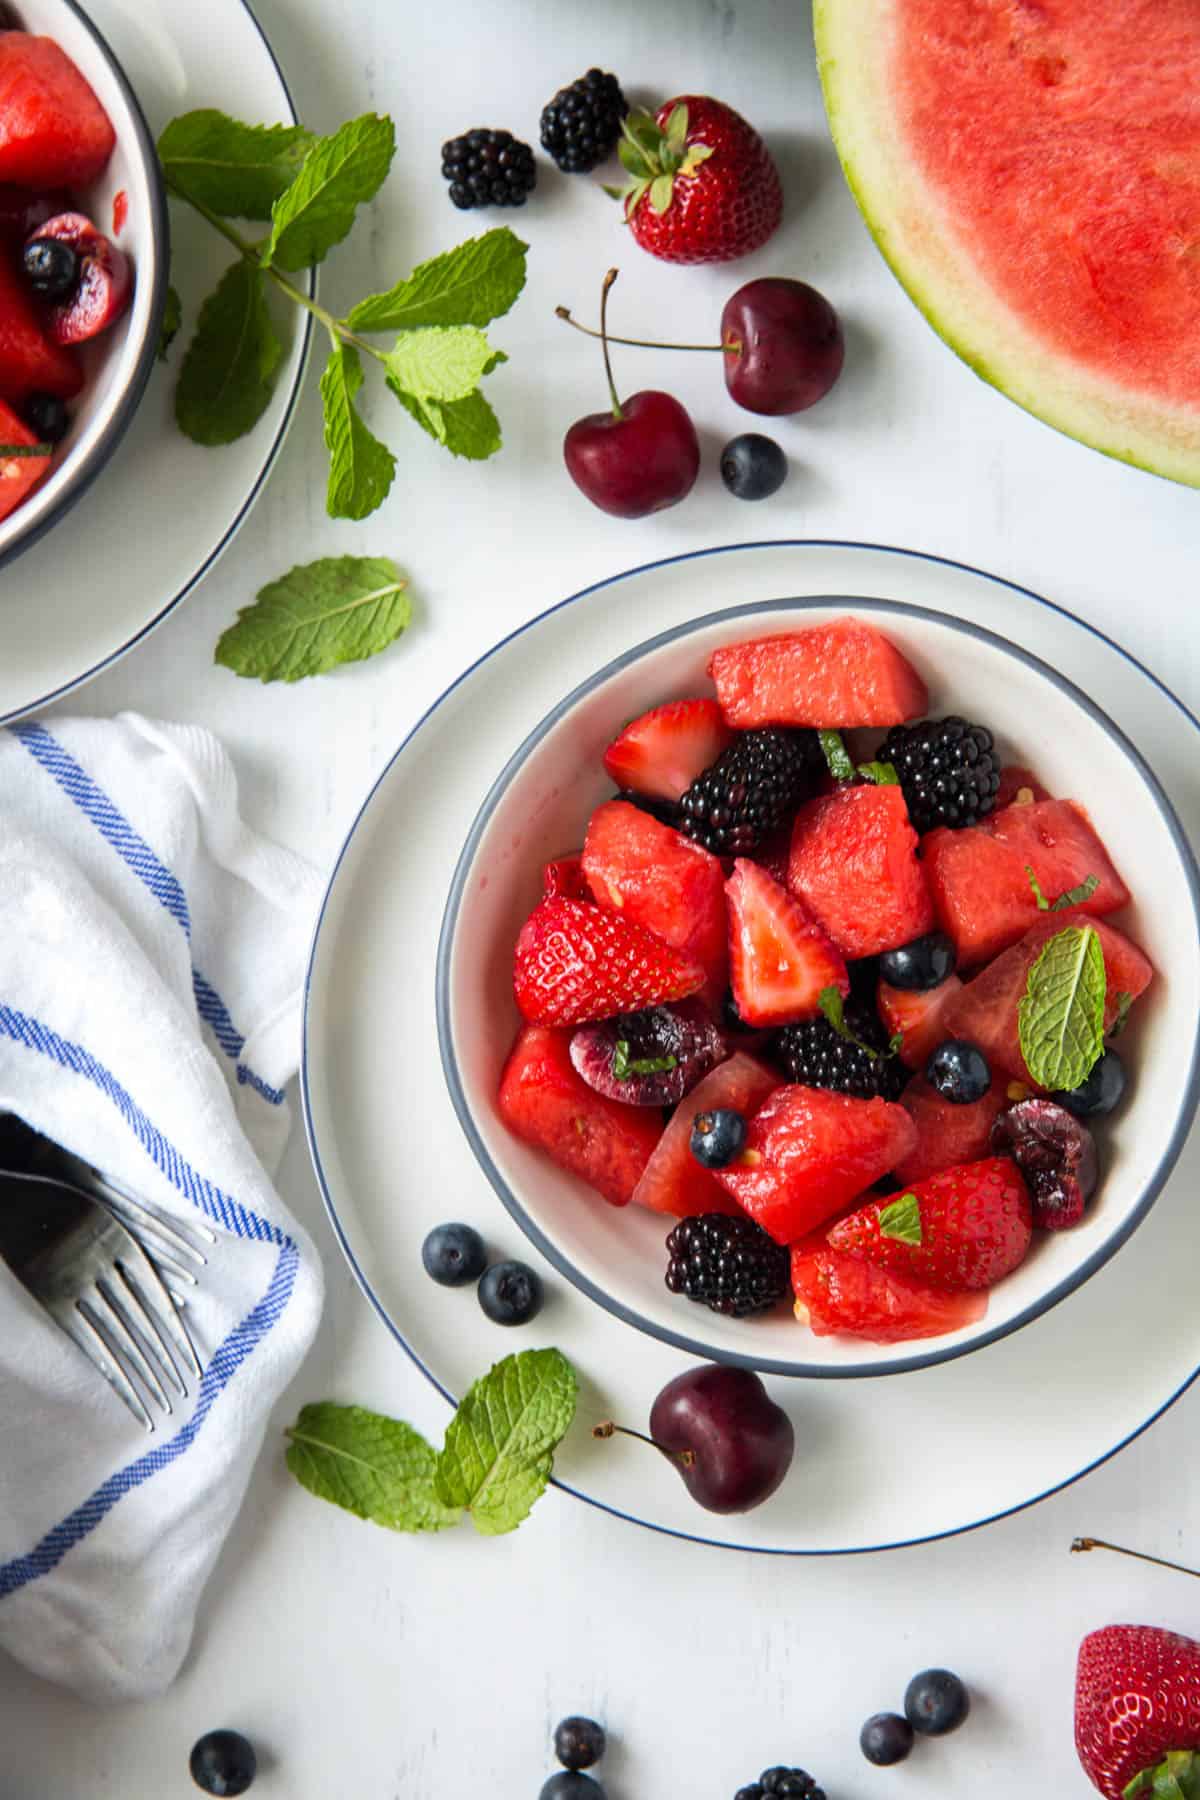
[(172, 319), (836, 755), (466, 428), (337, 610), (470, 285), (1124, 1002), (360, 467), (623, 1067), (26, 450), (901, 1219), (338, 174), (236, 170), (1077, 895), (1043, 905), (895, 1043), (1060, 1018), (500, 1445), (228, 374), (441, 362), (830, 1002), (883, 774), (377, 1468)]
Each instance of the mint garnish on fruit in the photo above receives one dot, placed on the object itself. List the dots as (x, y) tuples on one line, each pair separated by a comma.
[(901, 1219), (1060, 1018), (883, 774), (336, 610), (1073, 897), (833, 746), (307, 189)]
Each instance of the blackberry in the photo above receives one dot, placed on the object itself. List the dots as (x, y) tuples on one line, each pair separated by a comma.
[(752, 789), (782, 1784), (488, 168), (729, 1265), (948, 770), (46, 414), (581, 125), (815, 1056)]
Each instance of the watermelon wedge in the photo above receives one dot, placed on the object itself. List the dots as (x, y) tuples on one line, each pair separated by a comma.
[(827, 676), (673, 1181), (18, 474), (1029, 172), (839, 1296)]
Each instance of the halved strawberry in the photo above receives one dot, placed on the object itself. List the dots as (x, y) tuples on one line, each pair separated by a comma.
[(808, 1151), (674, 1182), (18, 474), (662, 753), (653, 876), (854, 864), (29, 362), (545, 1102), (779, 958), (565, 876), (832, 676), (966, 1227), (576, 962), (53, 130), (947, 1133), (840, 1296), (916, 1016)]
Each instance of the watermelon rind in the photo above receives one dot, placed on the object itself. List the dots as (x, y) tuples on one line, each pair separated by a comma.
[(913, 228)]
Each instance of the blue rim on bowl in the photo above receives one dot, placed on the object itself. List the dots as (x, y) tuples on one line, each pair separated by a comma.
[(682, 1340)]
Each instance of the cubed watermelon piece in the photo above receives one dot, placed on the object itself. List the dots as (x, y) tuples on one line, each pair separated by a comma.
[(674, 1182), (18, 474), (29, 362), (661, 753), (808, 1151), (53, 130), (854, 864), (828, 676), (915, 1015), (1016, 779), (985, 1011), (780, 961), (654, 876), (947, 1133), (840, 1296), (543, 1101)]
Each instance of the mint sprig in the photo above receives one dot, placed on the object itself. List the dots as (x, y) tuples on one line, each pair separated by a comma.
[(901, 1219), (1060, 1017), (1124, 1002), (833, 1010), (833, 746), (339, 609), (1075, 896), (624, 1067), (883, 774)]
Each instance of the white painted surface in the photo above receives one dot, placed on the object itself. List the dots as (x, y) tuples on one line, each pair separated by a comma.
[(381, 1667)]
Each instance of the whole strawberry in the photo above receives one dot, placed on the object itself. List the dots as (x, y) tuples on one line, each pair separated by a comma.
[(703, 188), (966, 1227), (1137, 1712)]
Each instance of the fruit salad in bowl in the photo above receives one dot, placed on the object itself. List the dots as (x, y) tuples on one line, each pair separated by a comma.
[(819, 986)]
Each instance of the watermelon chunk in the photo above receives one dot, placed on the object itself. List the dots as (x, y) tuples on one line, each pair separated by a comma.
[(654, 876), (947, 1134), (779, 959), (916, 1015), (662, 753), (1016, 779), (18, 474), (53, 130), (29, 362), (839, 1296), (544, 1102), (854, 864), (674, 1182), (830, 676), (808, 1151)]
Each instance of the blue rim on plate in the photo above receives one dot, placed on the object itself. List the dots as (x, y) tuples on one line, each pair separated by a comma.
[(762, 609), (339, 1230)]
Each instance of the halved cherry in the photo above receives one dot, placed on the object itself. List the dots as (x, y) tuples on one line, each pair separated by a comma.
[(105, 280)]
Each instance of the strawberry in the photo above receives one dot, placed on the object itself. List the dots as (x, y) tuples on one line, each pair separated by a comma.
[(703, 188), (779, 958), (915, 1016), (1137, 1711), (564, 876), (839, 1296), (966, 1227), (655, 877), (574, 962), (662, 753)]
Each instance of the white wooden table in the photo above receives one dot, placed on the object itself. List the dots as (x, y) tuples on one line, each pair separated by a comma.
[(380, 1667)]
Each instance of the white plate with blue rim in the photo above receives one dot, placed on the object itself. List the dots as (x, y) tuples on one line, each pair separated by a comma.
[(162, 509), (996, 1429)]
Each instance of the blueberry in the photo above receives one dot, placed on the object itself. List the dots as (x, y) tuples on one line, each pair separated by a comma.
[(753, 466), (717, 1137), (568, 1784), (453, 1255), (936, 1702), (51, 268), (1101, 1090), (885, 1739), (223, 1762), (925, 963), (578, 1742), (959, 1072), (510, 1293)]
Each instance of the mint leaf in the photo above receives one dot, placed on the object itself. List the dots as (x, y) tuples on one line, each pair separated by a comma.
[(883, 774), (470, 285), (465, 427), (228, 374), (1043, 905), (499, 1449), (1124, 1002), (441, 362), (361, 469), (1060, 1018), (901, 1219), (377, 1468), (26, 450), (172, 319), (830, 1002), (623, 1067), (338, 174), (236, 170), (1077, 895), (337, 610), (836, 755)]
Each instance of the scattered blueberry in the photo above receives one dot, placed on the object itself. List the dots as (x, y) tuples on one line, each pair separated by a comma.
[(959, 1072), (569, 1784), (453, 1255), (46, 414), (51, 267), (936, 1702), (578, 1742), (753, 466), (925, 963), (223, 1762), (717, 1137), (511, 1293), (885, 1739), (1101, 1090)]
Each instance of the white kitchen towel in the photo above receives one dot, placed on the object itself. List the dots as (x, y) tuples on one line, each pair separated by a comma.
[(152, 953)]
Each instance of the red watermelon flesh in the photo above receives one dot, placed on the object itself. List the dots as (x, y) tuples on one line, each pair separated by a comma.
[(674, 1182), (29, 362), (948, 1134), (986, 1010), (854, 865), (544, 1101), (1016, 779), (18, 474), (840, 1296), (653, 876), (828, 676), (53, 130), (915, 1015)]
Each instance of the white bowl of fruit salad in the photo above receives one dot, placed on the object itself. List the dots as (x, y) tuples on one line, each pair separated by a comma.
[(781, 979), (83, 261)]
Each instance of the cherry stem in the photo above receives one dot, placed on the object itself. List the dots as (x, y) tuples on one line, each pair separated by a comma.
[(603, 334), (564, 313), (685, 1458), (1090, 1543)]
